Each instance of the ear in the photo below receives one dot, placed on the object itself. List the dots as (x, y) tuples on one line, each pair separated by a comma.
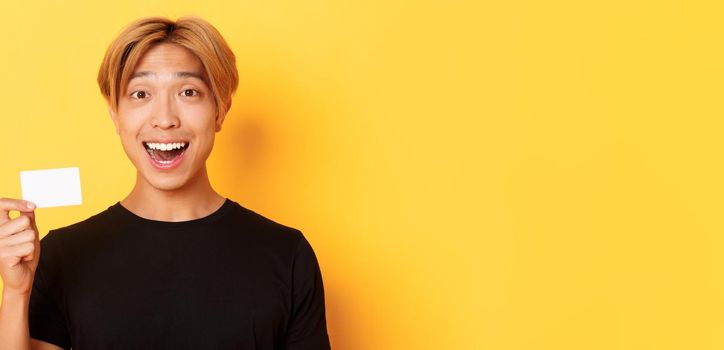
[(220, 119), (114, 118)]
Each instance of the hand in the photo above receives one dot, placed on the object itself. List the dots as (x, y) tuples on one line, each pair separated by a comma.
[(19, 246)]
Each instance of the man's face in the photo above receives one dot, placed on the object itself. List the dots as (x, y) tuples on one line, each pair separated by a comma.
[(167, 117)]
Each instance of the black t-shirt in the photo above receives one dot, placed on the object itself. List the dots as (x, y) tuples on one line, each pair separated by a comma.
[(231, 280)]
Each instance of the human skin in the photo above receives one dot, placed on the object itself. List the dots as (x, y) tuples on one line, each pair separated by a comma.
[(158, 106), (19, 256), (162, 107)]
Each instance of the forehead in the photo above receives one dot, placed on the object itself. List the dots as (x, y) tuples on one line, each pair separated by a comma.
[(167, 57)]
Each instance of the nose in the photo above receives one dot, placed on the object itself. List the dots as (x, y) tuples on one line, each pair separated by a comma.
[(165, 115)]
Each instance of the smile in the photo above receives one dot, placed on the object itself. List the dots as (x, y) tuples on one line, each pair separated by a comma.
[(165, 155)]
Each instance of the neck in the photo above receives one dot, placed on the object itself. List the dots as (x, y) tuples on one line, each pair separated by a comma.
[(194, 200)]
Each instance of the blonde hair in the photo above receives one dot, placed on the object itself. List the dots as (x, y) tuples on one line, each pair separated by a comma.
[(192, 33)]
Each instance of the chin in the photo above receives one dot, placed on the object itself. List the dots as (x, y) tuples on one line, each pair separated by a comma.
[(167, 183)]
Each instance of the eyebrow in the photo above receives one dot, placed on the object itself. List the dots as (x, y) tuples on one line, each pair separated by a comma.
[(177, 74)]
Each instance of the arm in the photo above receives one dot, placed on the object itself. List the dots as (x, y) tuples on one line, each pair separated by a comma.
[(19, 255), (308, 326), (14, 332), (41, 345), (14, 324)]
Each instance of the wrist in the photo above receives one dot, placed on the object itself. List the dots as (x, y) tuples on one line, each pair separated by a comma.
[(15, 296)]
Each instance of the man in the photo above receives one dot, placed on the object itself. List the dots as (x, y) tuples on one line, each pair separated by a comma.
[(174, 265)]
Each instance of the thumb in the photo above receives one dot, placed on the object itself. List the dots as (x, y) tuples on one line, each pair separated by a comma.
[(30, 215)]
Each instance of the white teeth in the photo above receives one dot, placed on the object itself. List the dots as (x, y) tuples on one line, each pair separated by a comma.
[(165, 146)]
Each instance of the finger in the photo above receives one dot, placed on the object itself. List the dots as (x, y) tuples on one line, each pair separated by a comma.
[(8, 204), (31, 216), (16, 225), (30, 256), (18, 238), (18, 251)]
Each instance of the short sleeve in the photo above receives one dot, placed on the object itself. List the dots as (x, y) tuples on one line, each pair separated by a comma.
[(47, 323), (308, 326)]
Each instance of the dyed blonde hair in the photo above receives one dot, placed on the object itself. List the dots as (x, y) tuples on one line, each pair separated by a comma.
[(193, 33)]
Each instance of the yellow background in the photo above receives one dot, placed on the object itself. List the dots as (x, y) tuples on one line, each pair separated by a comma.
[(471, 174)]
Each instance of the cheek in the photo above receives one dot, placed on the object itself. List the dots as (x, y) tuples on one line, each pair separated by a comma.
[(128, 130), (199, 111), (204, 134), (201, 119), (205, 137)]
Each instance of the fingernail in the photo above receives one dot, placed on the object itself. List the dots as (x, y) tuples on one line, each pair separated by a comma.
[(30, 205)]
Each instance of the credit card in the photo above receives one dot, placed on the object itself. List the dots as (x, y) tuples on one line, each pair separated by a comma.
[(51, 187)]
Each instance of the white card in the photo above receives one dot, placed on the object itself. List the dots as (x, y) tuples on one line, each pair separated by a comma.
[(51, 187)]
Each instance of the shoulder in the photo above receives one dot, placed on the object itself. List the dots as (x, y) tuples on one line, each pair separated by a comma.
[(284, 242), (104, 219), (264, 222), (266, 228)]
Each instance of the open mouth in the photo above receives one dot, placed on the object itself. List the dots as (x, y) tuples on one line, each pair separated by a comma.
[(165, 155)]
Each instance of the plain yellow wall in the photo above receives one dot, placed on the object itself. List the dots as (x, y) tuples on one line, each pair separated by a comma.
[(471, 174)]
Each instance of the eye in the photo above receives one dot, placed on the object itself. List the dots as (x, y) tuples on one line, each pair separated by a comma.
[(138, 95), (190, 92)]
